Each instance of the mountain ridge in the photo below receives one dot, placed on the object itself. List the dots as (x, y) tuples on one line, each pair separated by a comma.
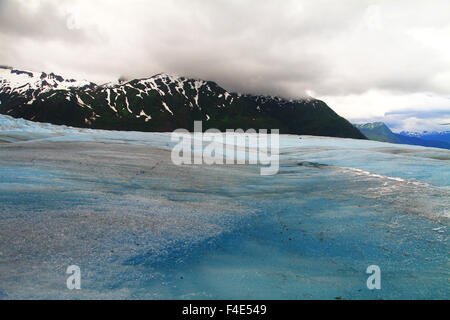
[(160, 103), (429, 135), (379, 131)]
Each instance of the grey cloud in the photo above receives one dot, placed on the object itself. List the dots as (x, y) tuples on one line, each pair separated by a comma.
[(408, 120), (260, 46), (423, 114), (41, 23)]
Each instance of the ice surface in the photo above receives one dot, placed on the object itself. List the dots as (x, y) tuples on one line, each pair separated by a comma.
[(140, 227)]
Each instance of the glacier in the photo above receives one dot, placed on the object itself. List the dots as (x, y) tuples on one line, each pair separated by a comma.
[(140, 227)]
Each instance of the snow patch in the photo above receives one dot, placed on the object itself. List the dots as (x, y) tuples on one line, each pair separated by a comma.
[(167, 108)]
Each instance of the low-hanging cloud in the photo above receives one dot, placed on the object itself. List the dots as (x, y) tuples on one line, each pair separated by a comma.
[(289, 47)]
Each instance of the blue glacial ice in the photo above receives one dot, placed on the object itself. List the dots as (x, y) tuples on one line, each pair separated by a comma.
[(141, 228)]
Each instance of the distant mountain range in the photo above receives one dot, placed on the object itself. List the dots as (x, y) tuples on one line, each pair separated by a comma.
[(160, 103), (429, 135), (380, 132)]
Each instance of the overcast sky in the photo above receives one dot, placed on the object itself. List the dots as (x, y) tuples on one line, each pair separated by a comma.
[(369, 60)]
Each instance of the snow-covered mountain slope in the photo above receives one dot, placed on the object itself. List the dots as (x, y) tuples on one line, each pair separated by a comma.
[(19, 81), (429, 135), (160, 103)]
